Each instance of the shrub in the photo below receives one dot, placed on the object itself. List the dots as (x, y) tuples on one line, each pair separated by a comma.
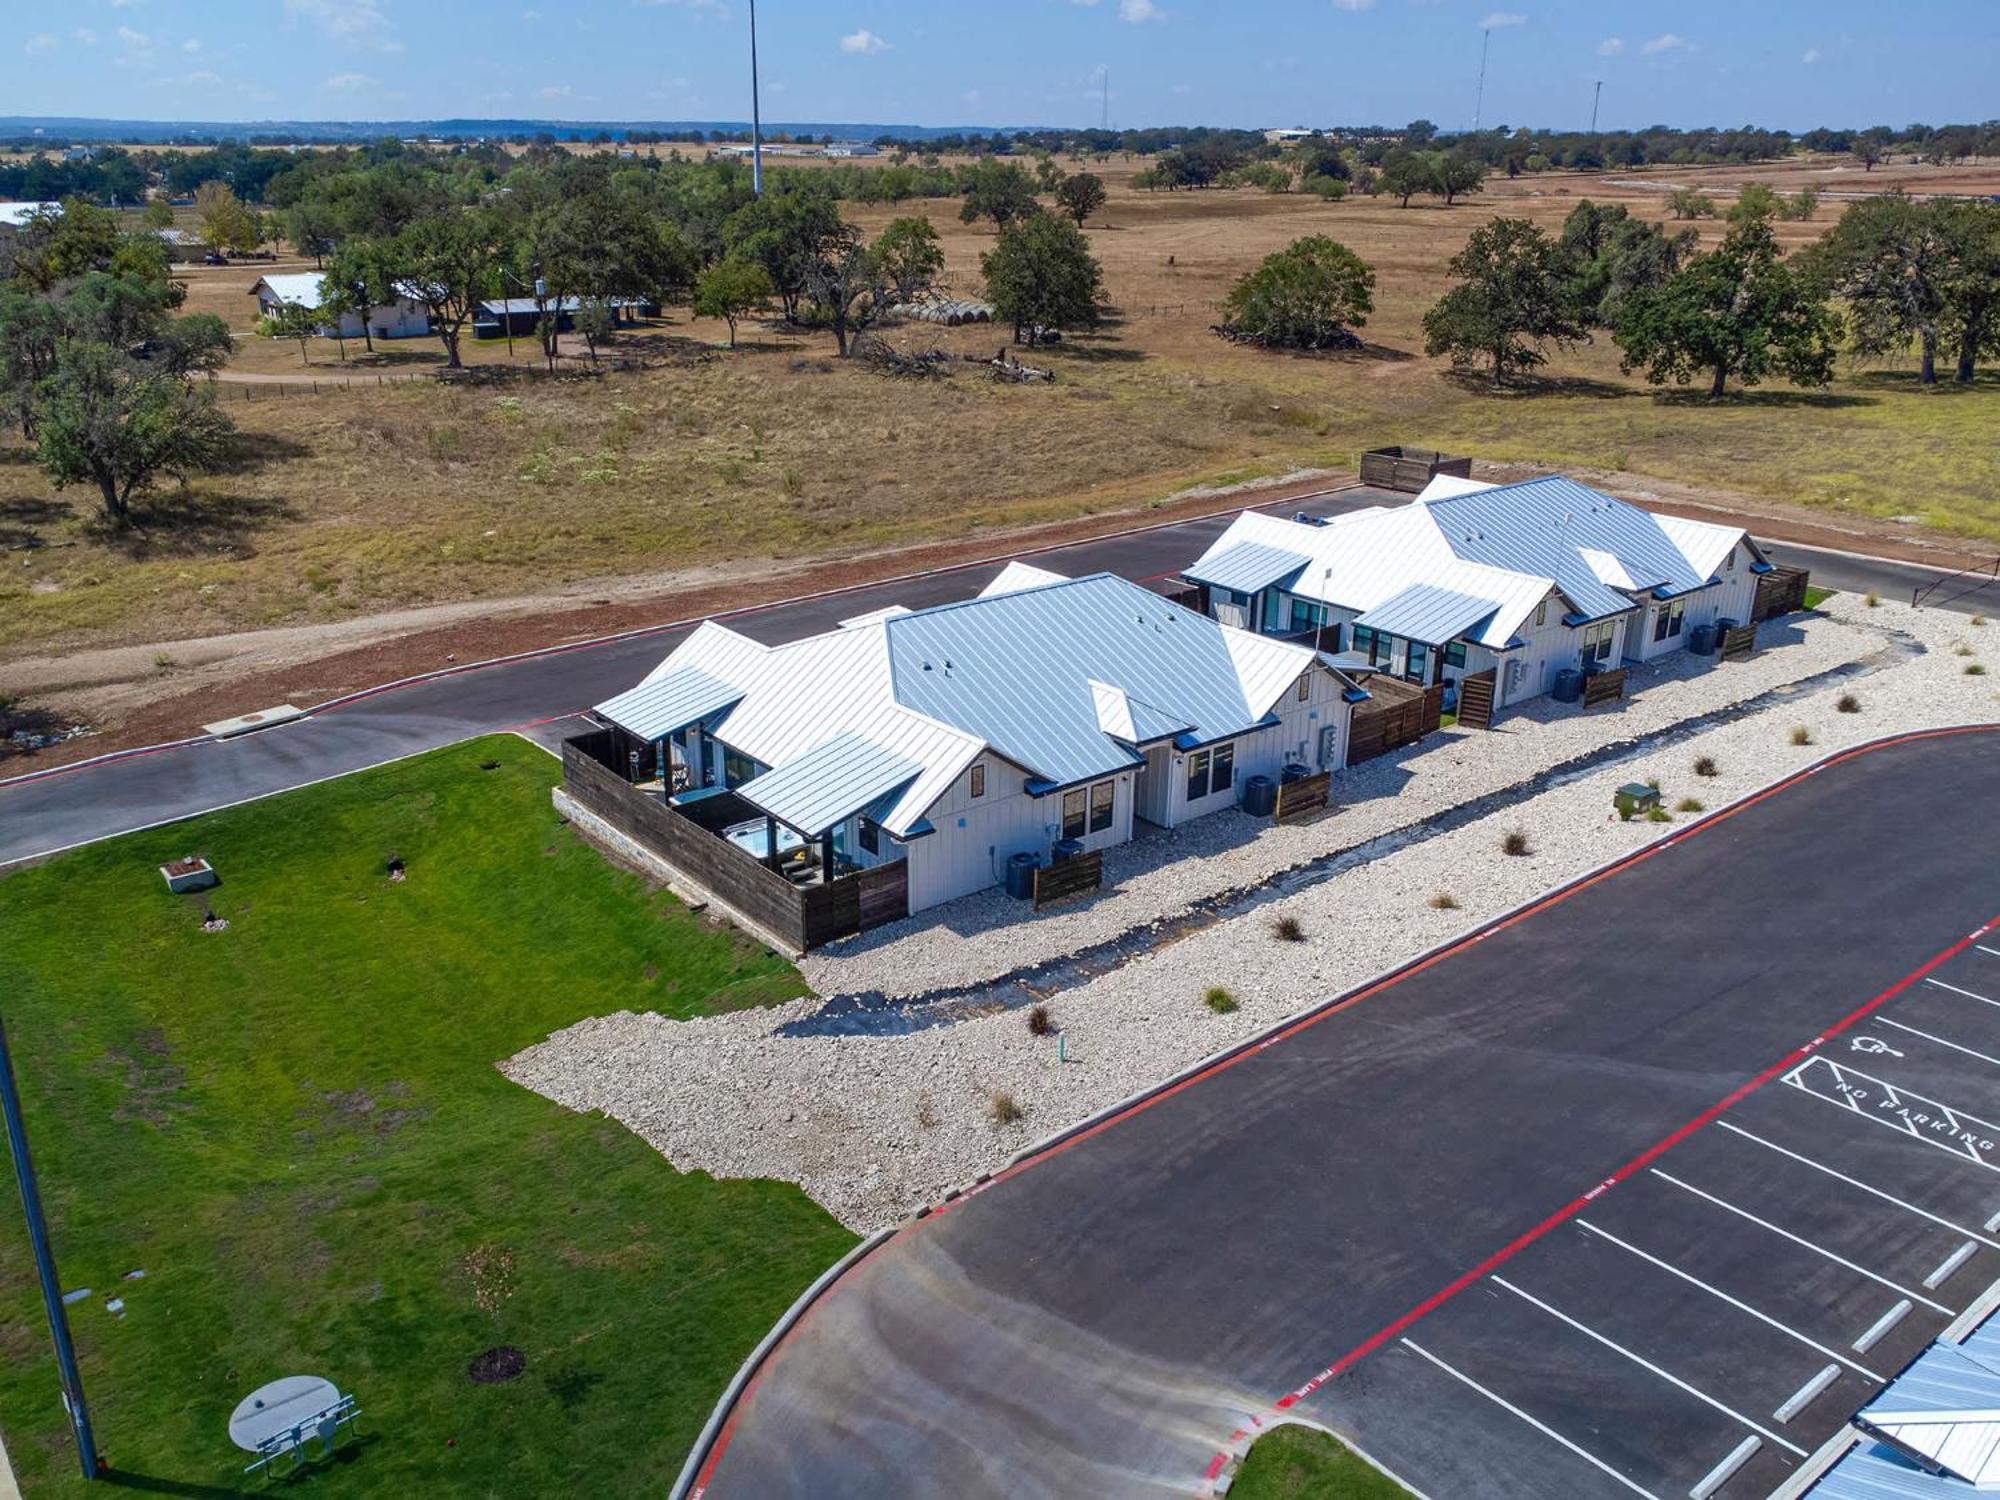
[(1003, 1107), (1959, 648), (1516, 844), (1688, 804), (1801, 735), (1871, 599), (1658, 815), (1444, 901), (1847, 703), (1219, 1000), (1288, 929), (1978, 620), (1039, 1021), (1974, 669), (1704, 765)]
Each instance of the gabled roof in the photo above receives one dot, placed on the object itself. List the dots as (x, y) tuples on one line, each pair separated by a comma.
[(1424, 612), (836, 779), (665, 705), (1937, 1427), (1019, 575), (1247, 566)]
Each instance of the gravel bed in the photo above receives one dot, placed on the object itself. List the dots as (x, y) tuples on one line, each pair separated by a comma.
[(875, 1127)]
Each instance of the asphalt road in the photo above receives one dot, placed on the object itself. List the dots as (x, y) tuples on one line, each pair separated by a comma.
[(38, 816), (1567, 1211)]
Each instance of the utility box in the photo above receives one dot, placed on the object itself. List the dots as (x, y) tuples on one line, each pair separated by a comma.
[(1635, 799), (190, 874)]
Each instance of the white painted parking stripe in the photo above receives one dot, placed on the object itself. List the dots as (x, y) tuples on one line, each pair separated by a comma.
[(1542, 1427), (1839, 1260), (1950, 1264), (1643, 1363), (1983, 1057), (1721, 1474), (1817, 1166), (1882, 1325), (1984, 949), (1957, 991), (1806, 1394), (1764, 1318)]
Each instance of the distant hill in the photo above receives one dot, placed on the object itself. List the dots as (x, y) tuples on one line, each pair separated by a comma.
[(87, 128)]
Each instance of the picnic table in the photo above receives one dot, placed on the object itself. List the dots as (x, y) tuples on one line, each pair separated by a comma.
[(280, 1418)]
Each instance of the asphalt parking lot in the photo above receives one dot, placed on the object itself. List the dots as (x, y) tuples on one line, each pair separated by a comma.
[(1712, 1321)]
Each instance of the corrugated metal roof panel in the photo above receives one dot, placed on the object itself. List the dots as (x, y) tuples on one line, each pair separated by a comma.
[(830, 783), (659, 706), (1875, 1471), (1540, 524), (1019, 575), (1247, 567), (1424, 612)]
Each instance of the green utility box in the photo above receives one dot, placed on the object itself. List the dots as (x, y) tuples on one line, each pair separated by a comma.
[(1635, 799)]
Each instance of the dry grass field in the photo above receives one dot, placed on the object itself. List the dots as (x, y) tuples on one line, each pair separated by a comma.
[(359, 500)]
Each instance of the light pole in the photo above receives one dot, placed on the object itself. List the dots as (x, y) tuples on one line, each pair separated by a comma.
[(45, 1265), (756, 117), (1596, 93)]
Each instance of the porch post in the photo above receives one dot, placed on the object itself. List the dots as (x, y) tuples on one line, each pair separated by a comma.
[(770, 841), (826, 857)]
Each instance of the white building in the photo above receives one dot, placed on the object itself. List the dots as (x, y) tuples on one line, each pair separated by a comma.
[(401, 319), (1523, 579), (1048, 709)]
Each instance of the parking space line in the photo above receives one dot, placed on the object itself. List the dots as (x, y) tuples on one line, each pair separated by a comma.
[(1950, 1264), (1722, 1473), (1643, 1363), (1957, 991), (1806, 1394), (1984, 949), (1995, 1061), (1922, 1213), (1745, 1307), (1821, 1250), (1893, 1112), (1882, 1325), (1542, 1427)]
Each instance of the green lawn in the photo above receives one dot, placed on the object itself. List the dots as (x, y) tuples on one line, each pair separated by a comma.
[(1815, 597), (1303, 1463), (296, 1130)]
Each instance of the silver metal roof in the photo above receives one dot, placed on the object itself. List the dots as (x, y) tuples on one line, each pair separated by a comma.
[(1936, 1429), (1247, 567), (659, 706), (1424, 612), (827, 785)]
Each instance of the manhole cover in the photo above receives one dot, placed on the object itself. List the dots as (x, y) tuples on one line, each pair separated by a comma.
[(496, 1365)]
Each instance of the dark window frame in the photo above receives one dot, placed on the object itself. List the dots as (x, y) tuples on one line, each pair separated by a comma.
[(1197, 776), (1074, 824), (976, 782), (1101, 818)]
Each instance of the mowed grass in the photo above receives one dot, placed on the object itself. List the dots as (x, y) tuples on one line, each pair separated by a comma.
[(1303, 1463), (296, 1129)]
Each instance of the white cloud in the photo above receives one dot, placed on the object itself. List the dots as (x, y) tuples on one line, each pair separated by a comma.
[(40, 42), (190, 46), (201, 79), (1666, 41), (1811, 57), (348, 82), (1353, 4), (1138, 12), (863, 43), (85, 35), (133, 38), (531, 15), (349, 23), (1611, 46), (1498, 18)]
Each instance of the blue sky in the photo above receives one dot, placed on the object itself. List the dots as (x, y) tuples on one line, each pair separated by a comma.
[(996, 62)]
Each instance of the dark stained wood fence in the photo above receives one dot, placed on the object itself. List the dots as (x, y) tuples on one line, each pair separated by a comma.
[(1475, 700), (802, 916), (1603, 687), (1399, 715), (1409, 469), (1072, 877), (1186, 595), (1779, 592), (1738, 643), (1304, 796)]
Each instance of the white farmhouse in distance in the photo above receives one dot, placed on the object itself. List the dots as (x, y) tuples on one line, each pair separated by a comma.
[(404, 318)]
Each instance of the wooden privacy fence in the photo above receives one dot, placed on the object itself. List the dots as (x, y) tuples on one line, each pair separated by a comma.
[(1303, 796), (802, 917), (1071, 877), (1409, 469), (1387, 723), (1603, 687), (1779, 592), (1737, 642), (1475, 700)]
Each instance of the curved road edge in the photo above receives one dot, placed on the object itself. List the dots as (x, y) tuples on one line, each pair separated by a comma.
[(713, 1440)]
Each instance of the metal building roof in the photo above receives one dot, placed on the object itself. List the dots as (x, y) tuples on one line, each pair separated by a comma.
[(1019, 575), (1424, 612), (660, 706), (1937, 1429), (1247, 567), (827, 785)]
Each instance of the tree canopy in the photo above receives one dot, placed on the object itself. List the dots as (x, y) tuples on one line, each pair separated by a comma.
[(1514, 295), (1080, 195), (1042, 278), (1312, 294)]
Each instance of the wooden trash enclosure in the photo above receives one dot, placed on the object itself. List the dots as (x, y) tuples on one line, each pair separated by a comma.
[(1071, 877), (1603, 687), (1779, 592), (1398, 714), (1303, 796), (1409, 469), (1737, 643), (1475, 700)]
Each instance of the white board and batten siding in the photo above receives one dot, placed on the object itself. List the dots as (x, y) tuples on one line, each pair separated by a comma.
[(1731, 599), (973, 836)]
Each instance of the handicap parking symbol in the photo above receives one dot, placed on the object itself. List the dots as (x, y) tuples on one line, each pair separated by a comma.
[(1872, 1044)]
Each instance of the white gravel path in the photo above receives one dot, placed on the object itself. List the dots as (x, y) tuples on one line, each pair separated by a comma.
[(874, 1128)]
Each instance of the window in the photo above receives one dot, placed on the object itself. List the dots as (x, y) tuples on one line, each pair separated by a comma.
[(1197, 772), (737, 767), (1100, 805), (1307, 616), (1372, 644), (1305, 686), (1542, 613), (1454, 654), (1222, 769), (1597, 641), (871, 836), (1073, 814), (978, 780), (1419, 659), (1667, 623)]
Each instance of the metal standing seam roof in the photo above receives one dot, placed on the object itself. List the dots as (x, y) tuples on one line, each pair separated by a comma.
[(1426, 613), (827, 785), (1945, 1407), (1247, 567), (663, 705), (1019, 575)]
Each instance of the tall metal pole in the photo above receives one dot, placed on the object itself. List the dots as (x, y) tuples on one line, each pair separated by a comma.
[(756, 116), (1596, 93), (45, 1264), (1479, 99)]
